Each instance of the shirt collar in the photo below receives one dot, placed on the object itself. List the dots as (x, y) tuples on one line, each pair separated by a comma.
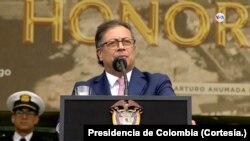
[(112, 79), (17, 137)]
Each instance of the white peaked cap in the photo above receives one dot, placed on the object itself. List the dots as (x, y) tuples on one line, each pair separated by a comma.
[(26, 99)]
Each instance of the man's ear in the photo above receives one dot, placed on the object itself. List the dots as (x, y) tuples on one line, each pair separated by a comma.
[(36, 120), (99, 53), (12, 119)]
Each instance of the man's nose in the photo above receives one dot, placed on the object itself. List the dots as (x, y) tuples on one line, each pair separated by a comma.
[(24, 115), (120, 44)]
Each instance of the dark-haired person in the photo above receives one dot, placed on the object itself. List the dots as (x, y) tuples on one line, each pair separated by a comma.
[(26, 108), (115, 40)]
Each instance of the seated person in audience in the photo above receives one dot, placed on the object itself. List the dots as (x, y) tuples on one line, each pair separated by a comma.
[(26, 108)]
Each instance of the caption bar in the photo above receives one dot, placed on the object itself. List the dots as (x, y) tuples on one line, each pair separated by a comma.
[(165, 131)]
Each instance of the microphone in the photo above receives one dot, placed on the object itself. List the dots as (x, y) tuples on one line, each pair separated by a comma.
[(120, 65)]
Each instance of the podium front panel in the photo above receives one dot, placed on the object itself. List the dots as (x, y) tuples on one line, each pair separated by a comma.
[(77, 111)]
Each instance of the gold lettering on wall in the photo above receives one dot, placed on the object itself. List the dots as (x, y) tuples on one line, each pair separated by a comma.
[(151, 31), (150, 34), (76, 12), (56, 21), (234, 28), (170, 31)]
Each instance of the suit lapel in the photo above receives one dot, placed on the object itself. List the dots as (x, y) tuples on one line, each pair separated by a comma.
[(101, 85), (137, 83), (34, 137)]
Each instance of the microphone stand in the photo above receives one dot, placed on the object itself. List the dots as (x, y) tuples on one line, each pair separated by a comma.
[(125, 78)]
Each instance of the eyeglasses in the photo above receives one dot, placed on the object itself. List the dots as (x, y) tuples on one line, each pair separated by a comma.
[(20, 112), (114, 43)]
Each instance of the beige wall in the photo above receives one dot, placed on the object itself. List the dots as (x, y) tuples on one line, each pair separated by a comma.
[(52, 69)]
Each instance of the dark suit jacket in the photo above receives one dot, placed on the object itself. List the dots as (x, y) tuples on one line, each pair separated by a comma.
[(35, 137), (141, 83)]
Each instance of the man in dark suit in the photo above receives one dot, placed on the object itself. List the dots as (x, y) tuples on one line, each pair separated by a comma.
[(116, 49), (26, 108), (115, 40)]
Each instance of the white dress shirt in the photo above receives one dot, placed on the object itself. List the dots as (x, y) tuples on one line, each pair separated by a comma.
[(113, 84), (17, 137)]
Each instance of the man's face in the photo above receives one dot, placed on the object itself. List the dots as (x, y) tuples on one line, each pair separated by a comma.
[(24, 120), (107, 54)]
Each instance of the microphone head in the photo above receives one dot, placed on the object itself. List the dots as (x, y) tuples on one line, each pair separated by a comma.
[(118, 64)]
